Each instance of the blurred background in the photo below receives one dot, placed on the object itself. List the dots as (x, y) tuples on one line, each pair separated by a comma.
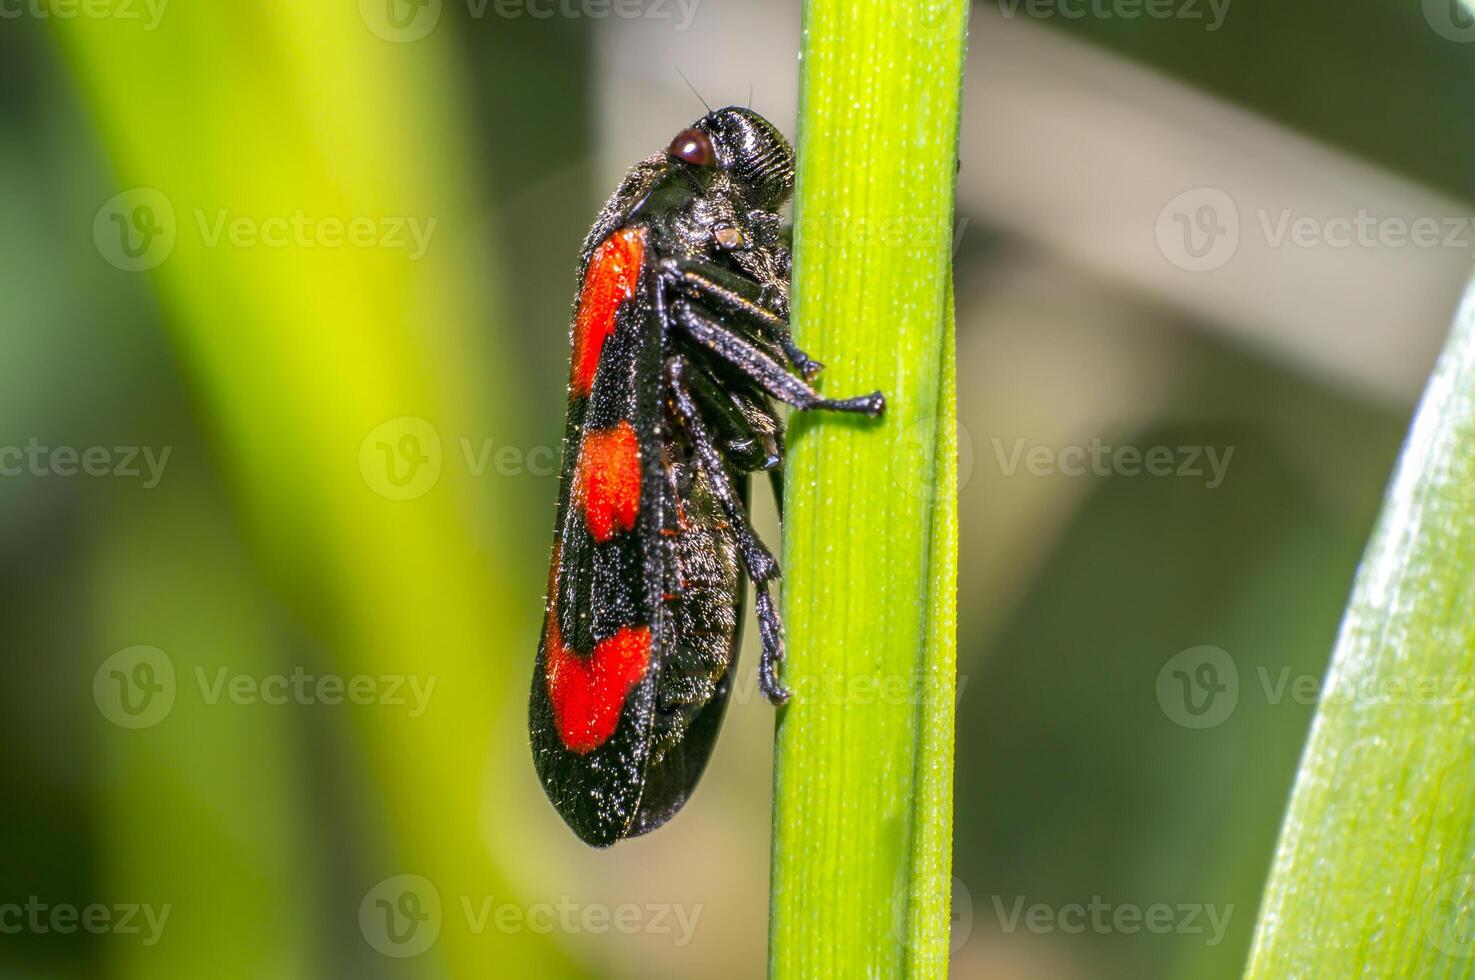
[(285, 302)]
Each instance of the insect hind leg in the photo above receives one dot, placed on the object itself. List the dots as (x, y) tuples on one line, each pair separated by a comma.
[(758, 561)]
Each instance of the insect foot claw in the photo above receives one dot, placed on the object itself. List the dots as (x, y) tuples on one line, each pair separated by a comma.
[(776, 693), (872, 405)]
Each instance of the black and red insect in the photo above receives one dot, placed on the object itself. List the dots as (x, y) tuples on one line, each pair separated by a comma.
[(681, 345)]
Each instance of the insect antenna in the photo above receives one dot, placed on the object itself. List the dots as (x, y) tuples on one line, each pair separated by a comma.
[(694, 91)]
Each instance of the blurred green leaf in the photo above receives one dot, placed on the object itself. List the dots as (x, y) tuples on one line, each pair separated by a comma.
[(1374, 874), (339, 375)]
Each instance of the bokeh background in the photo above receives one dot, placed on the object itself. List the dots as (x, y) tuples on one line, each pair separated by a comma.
[(284, 291)]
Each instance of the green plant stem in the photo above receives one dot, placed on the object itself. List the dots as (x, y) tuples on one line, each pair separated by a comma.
[(863, 773), (1374, 874)]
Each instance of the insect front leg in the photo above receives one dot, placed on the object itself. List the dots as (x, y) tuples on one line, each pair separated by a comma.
[(740, 298), (758, 561), (763, 370)]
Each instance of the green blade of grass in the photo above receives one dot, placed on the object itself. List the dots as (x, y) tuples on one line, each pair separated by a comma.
[(203, 802), (1374, 874), (330, 364), (863, 773)]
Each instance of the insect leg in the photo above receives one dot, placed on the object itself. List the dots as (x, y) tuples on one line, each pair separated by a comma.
[(763, 370), (748, 432), (740, 298), (776, 474), (758, 561)]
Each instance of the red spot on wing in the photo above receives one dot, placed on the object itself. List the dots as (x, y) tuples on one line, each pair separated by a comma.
[(607, 480), (588, 692), (609, 281)]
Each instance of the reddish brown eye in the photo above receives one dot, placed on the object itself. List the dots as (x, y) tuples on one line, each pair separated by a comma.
[(694, 147)]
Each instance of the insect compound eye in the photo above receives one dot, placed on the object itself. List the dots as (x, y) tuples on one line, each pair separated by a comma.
[(693, 146)]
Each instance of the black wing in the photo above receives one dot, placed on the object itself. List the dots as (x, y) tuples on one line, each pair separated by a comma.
[(605, 592)]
